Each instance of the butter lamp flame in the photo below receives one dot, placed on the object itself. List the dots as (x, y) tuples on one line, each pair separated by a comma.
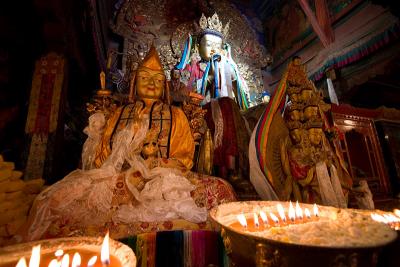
[(35, 257), (76, 260), (292, 213), (273, 217), (316, 214), (299, 211), (396, 212), (307, 213), (65, 261), (256, 223), (378, 218), (242, 220), (54, 263), (264, 217), (105, 250), (281, 212), (21, 262), (92, 261)]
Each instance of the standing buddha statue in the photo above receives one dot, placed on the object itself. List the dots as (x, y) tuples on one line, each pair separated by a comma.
[(208, 61)]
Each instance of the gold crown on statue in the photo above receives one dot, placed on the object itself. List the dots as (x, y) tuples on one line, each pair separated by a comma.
[(213, 25)]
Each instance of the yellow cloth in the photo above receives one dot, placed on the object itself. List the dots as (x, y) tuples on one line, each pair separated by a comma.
[(181, 141)]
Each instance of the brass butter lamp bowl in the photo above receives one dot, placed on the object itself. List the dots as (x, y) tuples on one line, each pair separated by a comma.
[(120, 255), (249, 247)]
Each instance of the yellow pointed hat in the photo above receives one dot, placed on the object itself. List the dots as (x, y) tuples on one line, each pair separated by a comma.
[(152, 60)]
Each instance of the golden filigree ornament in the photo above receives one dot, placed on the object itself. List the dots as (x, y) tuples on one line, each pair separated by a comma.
[(195, 114), (213, 25)]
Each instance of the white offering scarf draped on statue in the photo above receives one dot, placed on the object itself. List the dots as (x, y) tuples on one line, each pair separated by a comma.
[(85, 196)]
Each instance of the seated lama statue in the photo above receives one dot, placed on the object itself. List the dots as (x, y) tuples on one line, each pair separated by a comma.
[(135, 171)]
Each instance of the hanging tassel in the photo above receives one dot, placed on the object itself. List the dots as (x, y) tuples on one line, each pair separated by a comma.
[(186, 54), (332, 93), (204, 79), (216, 76)]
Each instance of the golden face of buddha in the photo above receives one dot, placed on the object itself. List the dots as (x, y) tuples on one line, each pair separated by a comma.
[(295, 134), (310, 112), (295, 115), (315, 135), (210, 44), (150, 83), (294, 97), (306, 95)]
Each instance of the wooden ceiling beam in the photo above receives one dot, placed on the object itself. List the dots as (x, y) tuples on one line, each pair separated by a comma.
[(325, 40), (324, 19)]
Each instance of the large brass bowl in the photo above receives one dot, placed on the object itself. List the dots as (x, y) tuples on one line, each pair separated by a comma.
[(247, 249), (11, 254)]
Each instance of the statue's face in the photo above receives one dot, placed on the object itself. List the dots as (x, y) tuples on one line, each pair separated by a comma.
[(315, 135), (294, 97), (295, 134), (150, 83), (310, 112), (305, 95), (210, 44), (295, 115)]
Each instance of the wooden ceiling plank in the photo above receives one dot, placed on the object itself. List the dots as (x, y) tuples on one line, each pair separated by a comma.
[(323, 17), (314, 22)]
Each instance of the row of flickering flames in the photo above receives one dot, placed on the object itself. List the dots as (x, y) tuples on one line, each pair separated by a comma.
[(295, 215), (390, 218), (63, 260)]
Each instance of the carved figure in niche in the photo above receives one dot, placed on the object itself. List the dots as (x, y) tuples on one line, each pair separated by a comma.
[(140, 167), (208, 59), (178, 91), (310, 168)]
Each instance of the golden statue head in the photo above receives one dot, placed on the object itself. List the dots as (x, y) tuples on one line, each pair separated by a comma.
[(295, 131), (296, 135), (315, 135), (306, 94), (315, 132), (149, 81), (295, 115), (310, 112), (296, 61)]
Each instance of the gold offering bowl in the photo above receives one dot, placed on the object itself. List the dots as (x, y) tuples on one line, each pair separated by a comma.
[(246, 248), (120, 254)]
